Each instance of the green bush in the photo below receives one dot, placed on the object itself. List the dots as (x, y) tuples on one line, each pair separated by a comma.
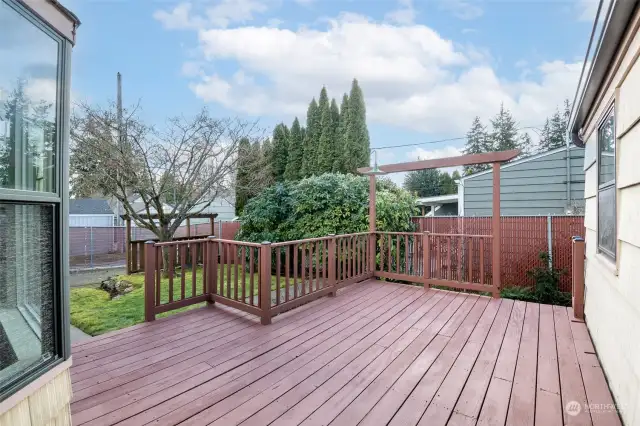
[(322, 205), (546, 288)]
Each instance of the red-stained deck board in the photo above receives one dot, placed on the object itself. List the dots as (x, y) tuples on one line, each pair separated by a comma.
[(377, 353)]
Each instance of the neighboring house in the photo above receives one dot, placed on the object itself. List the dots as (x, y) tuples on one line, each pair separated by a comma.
[(439, 205), (225, 207), (549, 183), (35, 350), (606, 120), (90, 212)]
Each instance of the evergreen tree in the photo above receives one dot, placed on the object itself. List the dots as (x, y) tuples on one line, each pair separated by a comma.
[(326, 146), (504, 135), (280, 145), (339, 165), (267, 157), (477, 143), (310, 145), (245, 152), (553, 132), (431, 182), (294, 155), (526, 144), (356, 153)]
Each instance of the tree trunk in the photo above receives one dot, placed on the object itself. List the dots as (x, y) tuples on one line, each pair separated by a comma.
[(164, 236)]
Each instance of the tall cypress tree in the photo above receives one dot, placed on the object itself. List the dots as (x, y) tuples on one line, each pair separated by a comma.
[(294, 155), (356, 152), (326, 145), (267, 157), (280, 145), (308, 161), (339, 165), (242, 174), (504, 135), (477, 143)]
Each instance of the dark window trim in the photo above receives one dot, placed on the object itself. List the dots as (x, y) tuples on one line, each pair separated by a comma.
[(58, 199), (606, 185)]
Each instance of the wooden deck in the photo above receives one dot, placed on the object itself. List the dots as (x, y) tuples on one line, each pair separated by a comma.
[(376, 354)]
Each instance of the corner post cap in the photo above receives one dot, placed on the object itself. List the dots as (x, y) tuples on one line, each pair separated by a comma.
[(577, 238), (266, 243), (211, 237), (149, 242)]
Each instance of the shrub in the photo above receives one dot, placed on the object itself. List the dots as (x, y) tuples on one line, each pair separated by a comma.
[(546, 288), (322, 205)]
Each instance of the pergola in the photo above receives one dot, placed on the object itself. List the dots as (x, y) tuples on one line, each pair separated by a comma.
[(494, 158)]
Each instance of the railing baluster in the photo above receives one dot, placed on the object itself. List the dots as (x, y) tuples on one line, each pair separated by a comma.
[(222, 267), (303, 269), (172, 259), (459, 277), (183, 264), (235, 270), (251, 274), (265, 283), (318, 257), (390, 266), (228, 259), (243, 252), (149, 279), (406, 254), (277, 276), (481, 260), (204, 253), (325, 265), (398, 254), (426, 255), (295, 271), (158, 254), (470, 259), (449, 270), (286, 272), (438, 259), (193, 247), (356, 255)]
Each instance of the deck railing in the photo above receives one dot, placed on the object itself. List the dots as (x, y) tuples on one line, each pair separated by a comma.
[(267, 279)]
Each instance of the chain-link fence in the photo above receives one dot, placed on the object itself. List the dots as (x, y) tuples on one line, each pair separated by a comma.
[(105, 247)]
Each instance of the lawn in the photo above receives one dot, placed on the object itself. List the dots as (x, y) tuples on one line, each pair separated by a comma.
[(95, 313)]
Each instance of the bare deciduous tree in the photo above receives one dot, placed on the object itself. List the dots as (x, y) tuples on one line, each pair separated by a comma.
[(173, 172)]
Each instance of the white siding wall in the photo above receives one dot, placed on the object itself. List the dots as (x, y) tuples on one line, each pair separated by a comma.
[(85, 220), (612, 294)]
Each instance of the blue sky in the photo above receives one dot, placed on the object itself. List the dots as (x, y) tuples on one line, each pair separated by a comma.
[(426, 67)]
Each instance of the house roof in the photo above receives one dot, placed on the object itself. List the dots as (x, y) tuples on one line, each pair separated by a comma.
[(520, 161), (89, 206), (614, 28), (438, 199)]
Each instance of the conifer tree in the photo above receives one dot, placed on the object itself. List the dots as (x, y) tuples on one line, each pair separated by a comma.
[(504, 135), (308, 162), (339, 165), (294, 152), (242, 173), (356, 153), (326, 145), (477, 143), (280, 145), (267, 157)]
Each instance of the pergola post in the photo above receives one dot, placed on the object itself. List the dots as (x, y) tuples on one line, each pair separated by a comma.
[(188, 227), (495, 226), (128, 245), (212, 224), (372, 223)]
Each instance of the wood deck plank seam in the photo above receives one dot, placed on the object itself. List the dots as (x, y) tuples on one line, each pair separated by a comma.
[(382, 296)]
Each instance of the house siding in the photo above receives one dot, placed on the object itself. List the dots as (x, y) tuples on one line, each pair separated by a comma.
[(534, 187), (612, 289)]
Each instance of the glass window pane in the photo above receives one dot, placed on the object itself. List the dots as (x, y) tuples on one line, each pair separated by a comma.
[(28, 104), (607, 148), (26, 294), (607, 220)]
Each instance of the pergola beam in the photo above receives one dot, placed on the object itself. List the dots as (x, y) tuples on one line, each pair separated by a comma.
[(461, 160)]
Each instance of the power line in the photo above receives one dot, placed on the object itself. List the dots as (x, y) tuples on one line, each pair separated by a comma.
[(440, 140)]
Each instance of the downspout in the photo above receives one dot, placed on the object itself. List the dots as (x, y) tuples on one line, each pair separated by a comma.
[(569, 205)]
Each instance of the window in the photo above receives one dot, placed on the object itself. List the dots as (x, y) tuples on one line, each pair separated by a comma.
[(28, 104), (31, 199), (607, 186)]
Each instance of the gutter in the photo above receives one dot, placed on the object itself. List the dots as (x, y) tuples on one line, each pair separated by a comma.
[(621, 12)]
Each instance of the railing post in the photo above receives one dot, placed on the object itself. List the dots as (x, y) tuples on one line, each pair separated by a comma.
[(211, 264), (426, 258), (331, 265), (371, 267), (149, 281), (577, 277), (265, 282)]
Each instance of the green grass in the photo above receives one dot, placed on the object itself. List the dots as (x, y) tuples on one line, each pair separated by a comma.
[(95, 313)]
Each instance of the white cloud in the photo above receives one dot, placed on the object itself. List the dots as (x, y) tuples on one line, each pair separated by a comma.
[(41, 89), (220, 15), (447, 151), (404, 15), (463, 9), (411, 76)]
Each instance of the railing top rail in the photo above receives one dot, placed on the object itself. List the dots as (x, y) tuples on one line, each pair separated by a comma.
[(306, 240), (238, 243), (461, 235), (192, 237), (355, 234), (178, 242), (399, 233)]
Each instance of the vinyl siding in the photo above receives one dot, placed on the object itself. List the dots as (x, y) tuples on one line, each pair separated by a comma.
[(534, 187), (612, 293)]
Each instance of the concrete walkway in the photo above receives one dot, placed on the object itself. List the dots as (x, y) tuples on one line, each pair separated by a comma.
[(78, 335)]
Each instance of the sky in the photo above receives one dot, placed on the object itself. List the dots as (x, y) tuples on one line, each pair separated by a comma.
[(426, 68)]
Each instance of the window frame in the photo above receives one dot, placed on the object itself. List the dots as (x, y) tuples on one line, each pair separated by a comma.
[(58, 200), (611, 184)]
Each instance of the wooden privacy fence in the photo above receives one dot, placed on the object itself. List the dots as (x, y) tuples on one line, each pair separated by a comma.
[(522, 240)]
